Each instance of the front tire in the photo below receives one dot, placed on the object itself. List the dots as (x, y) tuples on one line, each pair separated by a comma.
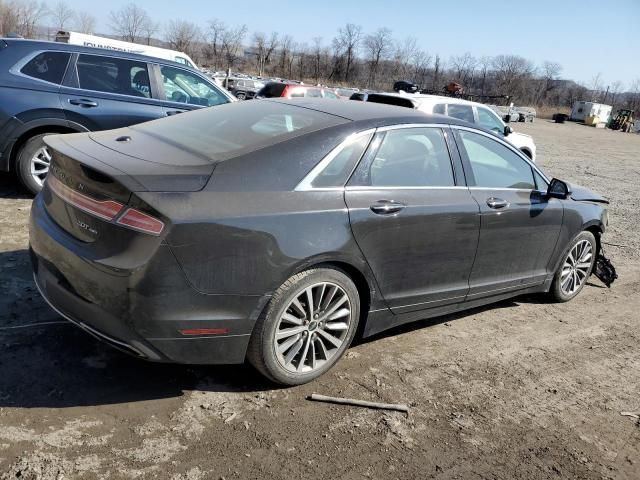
[(307, 326), (32, 163), (575, 268)]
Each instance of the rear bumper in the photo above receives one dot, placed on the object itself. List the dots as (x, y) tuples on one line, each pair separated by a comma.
[(141, 312)]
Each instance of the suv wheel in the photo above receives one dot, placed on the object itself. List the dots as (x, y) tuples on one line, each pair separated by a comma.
[(32, 164), (307, 326)]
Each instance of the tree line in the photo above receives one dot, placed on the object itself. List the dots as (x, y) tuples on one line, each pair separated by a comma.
[(352, 57)]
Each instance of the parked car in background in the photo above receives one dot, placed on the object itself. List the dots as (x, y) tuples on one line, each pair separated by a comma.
[(275, 245), (293, 90), (244, 89), (345, 93), (405, 86), (48, 87), (471, 112)]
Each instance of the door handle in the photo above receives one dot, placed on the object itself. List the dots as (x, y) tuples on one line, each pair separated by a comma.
[(83, 102), (497, 203), (386, 207), (173, 112)]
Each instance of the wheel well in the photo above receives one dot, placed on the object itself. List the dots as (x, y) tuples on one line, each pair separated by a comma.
[(597, 232), (358, 279), (22, 139)]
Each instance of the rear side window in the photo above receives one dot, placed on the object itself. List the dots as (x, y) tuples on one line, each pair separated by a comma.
[(330, 94), (335, 174), (47, 66), (235, 129), (463, 112), (408, 157), (113, 75)]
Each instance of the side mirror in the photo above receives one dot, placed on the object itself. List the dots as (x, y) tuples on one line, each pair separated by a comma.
[(558, 189), (507, 130)]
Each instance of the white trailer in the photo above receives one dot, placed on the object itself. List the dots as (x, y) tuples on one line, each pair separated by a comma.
[(582, 110), (83, 39)]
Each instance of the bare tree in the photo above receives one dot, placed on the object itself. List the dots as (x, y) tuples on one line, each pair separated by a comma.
[(181, 35), (463, 67), (8, 18), (148, 29), (264, 49), (484, 64), (231, 43), (511, 73), (377, 47), (128, 22), (85, 22), (286, 46), (404, 53), (437, 72), (21, 17), (421, 61), (61, 14), (348, 41), (215, 33), (596, 87), (317, 57)]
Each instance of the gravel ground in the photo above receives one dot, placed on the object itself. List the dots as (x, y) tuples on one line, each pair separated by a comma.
[(522, 389)]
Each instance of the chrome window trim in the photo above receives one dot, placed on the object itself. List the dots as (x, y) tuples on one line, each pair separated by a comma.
[(20, 64), (510, 147), (400, 187)]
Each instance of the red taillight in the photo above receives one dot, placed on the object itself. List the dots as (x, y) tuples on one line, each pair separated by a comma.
[(105, 209), (141, 222)]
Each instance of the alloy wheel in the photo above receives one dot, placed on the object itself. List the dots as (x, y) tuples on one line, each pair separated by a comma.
[(40, 165), (313, 327), (576, 267)]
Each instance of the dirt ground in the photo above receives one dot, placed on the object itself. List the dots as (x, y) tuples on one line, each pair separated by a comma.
[(524, 389)]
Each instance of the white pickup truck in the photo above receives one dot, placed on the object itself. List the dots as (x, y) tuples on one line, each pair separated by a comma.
[(471, 112)]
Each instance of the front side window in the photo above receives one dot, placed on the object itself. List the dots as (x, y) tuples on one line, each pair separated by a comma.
[(330, 94), (463, 112), (183, 86), (47, 66), (409, 157), (489, 120), (494, 165)]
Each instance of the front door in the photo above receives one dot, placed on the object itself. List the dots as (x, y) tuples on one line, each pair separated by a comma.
[(416, 225), (519, 223)]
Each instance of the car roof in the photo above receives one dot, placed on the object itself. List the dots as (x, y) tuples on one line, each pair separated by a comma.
[(377, 113), (422, 98), (66, 47)]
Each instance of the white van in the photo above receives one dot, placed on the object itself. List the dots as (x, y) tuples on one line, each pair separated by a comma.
[(75, 38)]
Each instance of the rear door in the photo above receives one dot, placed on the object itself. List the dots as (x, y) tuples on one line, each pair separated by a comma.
[(103, 92), (414, 219), (519, 223)]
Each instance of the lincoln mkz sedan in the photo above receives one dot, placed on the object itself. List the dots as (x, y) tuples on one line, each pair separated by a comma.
[(273, 231)]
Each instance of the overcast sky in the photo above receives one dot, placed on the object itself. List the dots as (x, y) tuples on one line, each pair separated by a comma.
[(586, 37)]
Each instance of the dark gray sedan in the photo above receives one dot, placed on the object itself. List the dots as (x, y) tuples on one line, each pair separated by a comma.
[(271, 231)]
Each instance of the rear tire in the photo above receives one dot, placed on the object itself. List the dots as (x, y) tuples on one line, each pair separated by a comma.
[(293, 343), (32, 163), (576, 266)]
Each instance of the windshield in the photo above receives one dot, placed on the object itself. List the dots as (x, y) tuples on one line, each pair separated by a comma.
[(237, 128)]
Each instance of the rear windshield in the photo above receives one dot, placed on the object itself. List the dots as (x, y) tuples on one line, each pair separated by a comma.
[(390, 100), (226, 131)]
